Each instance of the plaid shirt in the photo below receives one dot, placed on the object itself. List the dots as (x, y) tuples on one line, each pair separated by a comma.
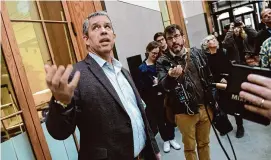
[(265, 53)]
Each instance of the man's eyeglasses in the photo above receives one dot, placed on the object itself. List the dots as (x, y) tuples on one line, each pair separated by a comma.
[(154, 53), (176, 37), (160, 40)]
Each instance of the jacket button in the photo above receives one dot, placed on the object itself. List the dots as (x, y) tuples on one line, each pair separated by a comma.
[(129, 124)]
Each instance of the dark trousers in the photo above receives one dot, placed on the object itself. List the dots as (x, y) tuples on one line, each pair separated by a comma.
[(156, 116), (238, 120)]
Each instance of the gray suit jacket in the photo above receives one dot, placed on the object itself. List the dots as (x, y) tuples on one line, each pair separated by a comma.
[(96, 109)]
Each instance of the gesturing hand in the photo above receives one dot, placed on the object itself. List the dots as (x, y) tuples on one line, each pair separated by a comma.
[(57, 81), (176, 71), (258, 92)]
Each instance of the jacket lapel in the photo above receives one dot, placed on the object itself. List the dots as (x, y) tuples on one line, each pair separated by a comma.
[(101, 76)]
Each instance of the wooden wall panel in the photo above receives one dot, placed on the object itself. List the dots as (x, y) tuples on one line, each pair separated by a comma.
[(176, 16), (72, 34), (98, 5), (79, 10), (207, 11)]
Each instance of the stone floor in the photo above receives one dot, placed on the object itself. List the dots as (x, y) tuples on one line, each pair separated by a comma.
[(255, 145)]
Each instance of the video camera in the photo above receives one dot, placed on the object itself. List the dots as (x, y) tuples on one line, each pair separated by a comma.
[(235, 104)]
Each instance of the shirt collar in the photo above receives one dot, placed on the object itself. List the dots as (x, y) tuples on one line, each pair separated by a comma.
[(98, 59), (117, 65)]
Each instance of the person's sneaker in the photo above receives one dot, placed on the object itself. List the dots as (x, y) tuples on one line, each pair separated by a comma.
[(174, 144), (240, 132), (166, 147)]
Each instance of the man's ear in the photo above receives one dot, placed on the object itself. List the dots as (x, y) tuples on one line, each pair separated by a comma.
[(86, 40), (114, 35)]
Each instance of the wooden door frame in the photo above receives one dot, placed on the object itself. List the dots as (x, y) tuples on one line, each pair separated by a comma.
[(33, 124), (20, 94), (71, 30), (76, 25), (176, 17), (25, 85)]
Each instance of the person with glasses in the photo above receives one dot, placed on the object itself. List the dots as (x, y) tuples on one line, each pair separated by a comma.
[(153, 96), (219, 64), (179, 75), (264, 34), (159, 37)]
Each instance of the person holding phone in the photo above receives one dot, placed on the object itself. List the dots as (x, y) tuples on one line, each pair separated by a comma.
[(153, 95), (239, 42)]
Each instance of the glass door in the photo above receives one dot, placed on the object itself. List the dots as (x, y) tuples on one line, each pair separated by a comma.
[(14, 137), (41, 34)]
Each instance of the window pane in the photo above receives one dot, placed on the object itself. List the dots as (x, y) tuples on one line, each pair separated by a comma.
[(52, 10), (34, 52), (11, 126), (22, 10), (61, 43)]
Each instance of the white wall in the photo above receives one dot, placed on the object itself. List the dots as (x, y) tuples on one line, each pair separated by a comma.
[(150, 4), (194, 21), (134, 27), (191, 8)]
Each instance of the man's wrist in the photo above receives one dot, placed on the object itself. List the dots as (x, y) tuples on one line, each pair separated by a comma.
[(64, 105)]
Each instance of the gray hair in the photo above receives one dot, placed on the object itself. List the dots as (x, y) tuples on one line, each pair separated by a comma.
[(204, 43), (86, 22)]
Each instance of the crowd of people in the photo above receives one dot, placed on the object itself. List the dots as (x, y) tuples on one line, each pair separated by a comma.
[(172, 89), (98, 95)]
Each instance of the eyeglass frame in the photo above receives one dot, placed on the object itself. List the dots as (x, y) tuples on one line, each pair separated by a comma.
[(176, 37)]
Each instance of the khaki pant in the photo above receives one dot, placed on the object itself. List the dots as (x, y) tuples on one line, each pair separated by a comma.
[(195, 129)]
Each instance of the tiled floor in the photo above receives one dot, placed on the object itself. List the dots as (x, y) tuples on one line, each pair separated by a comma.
[(255, 145)]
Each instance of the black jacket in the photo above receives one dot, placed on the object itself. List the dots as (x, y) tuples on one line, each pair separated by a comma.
[(105, 127), (192, 86), (148, 92), (219, 64)]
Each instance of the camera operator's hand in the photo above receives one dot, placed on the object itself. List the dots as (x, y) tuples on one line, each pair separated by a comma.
[(176, 71), (258, 92)]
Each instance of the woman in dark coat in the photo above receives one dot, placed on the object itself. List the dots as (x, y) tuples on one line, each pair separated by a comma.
[(220, 65), (153, 96)]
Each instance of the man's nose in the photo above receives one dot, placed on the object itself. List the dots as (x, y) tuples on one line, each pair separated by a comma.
[(103, 30)]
